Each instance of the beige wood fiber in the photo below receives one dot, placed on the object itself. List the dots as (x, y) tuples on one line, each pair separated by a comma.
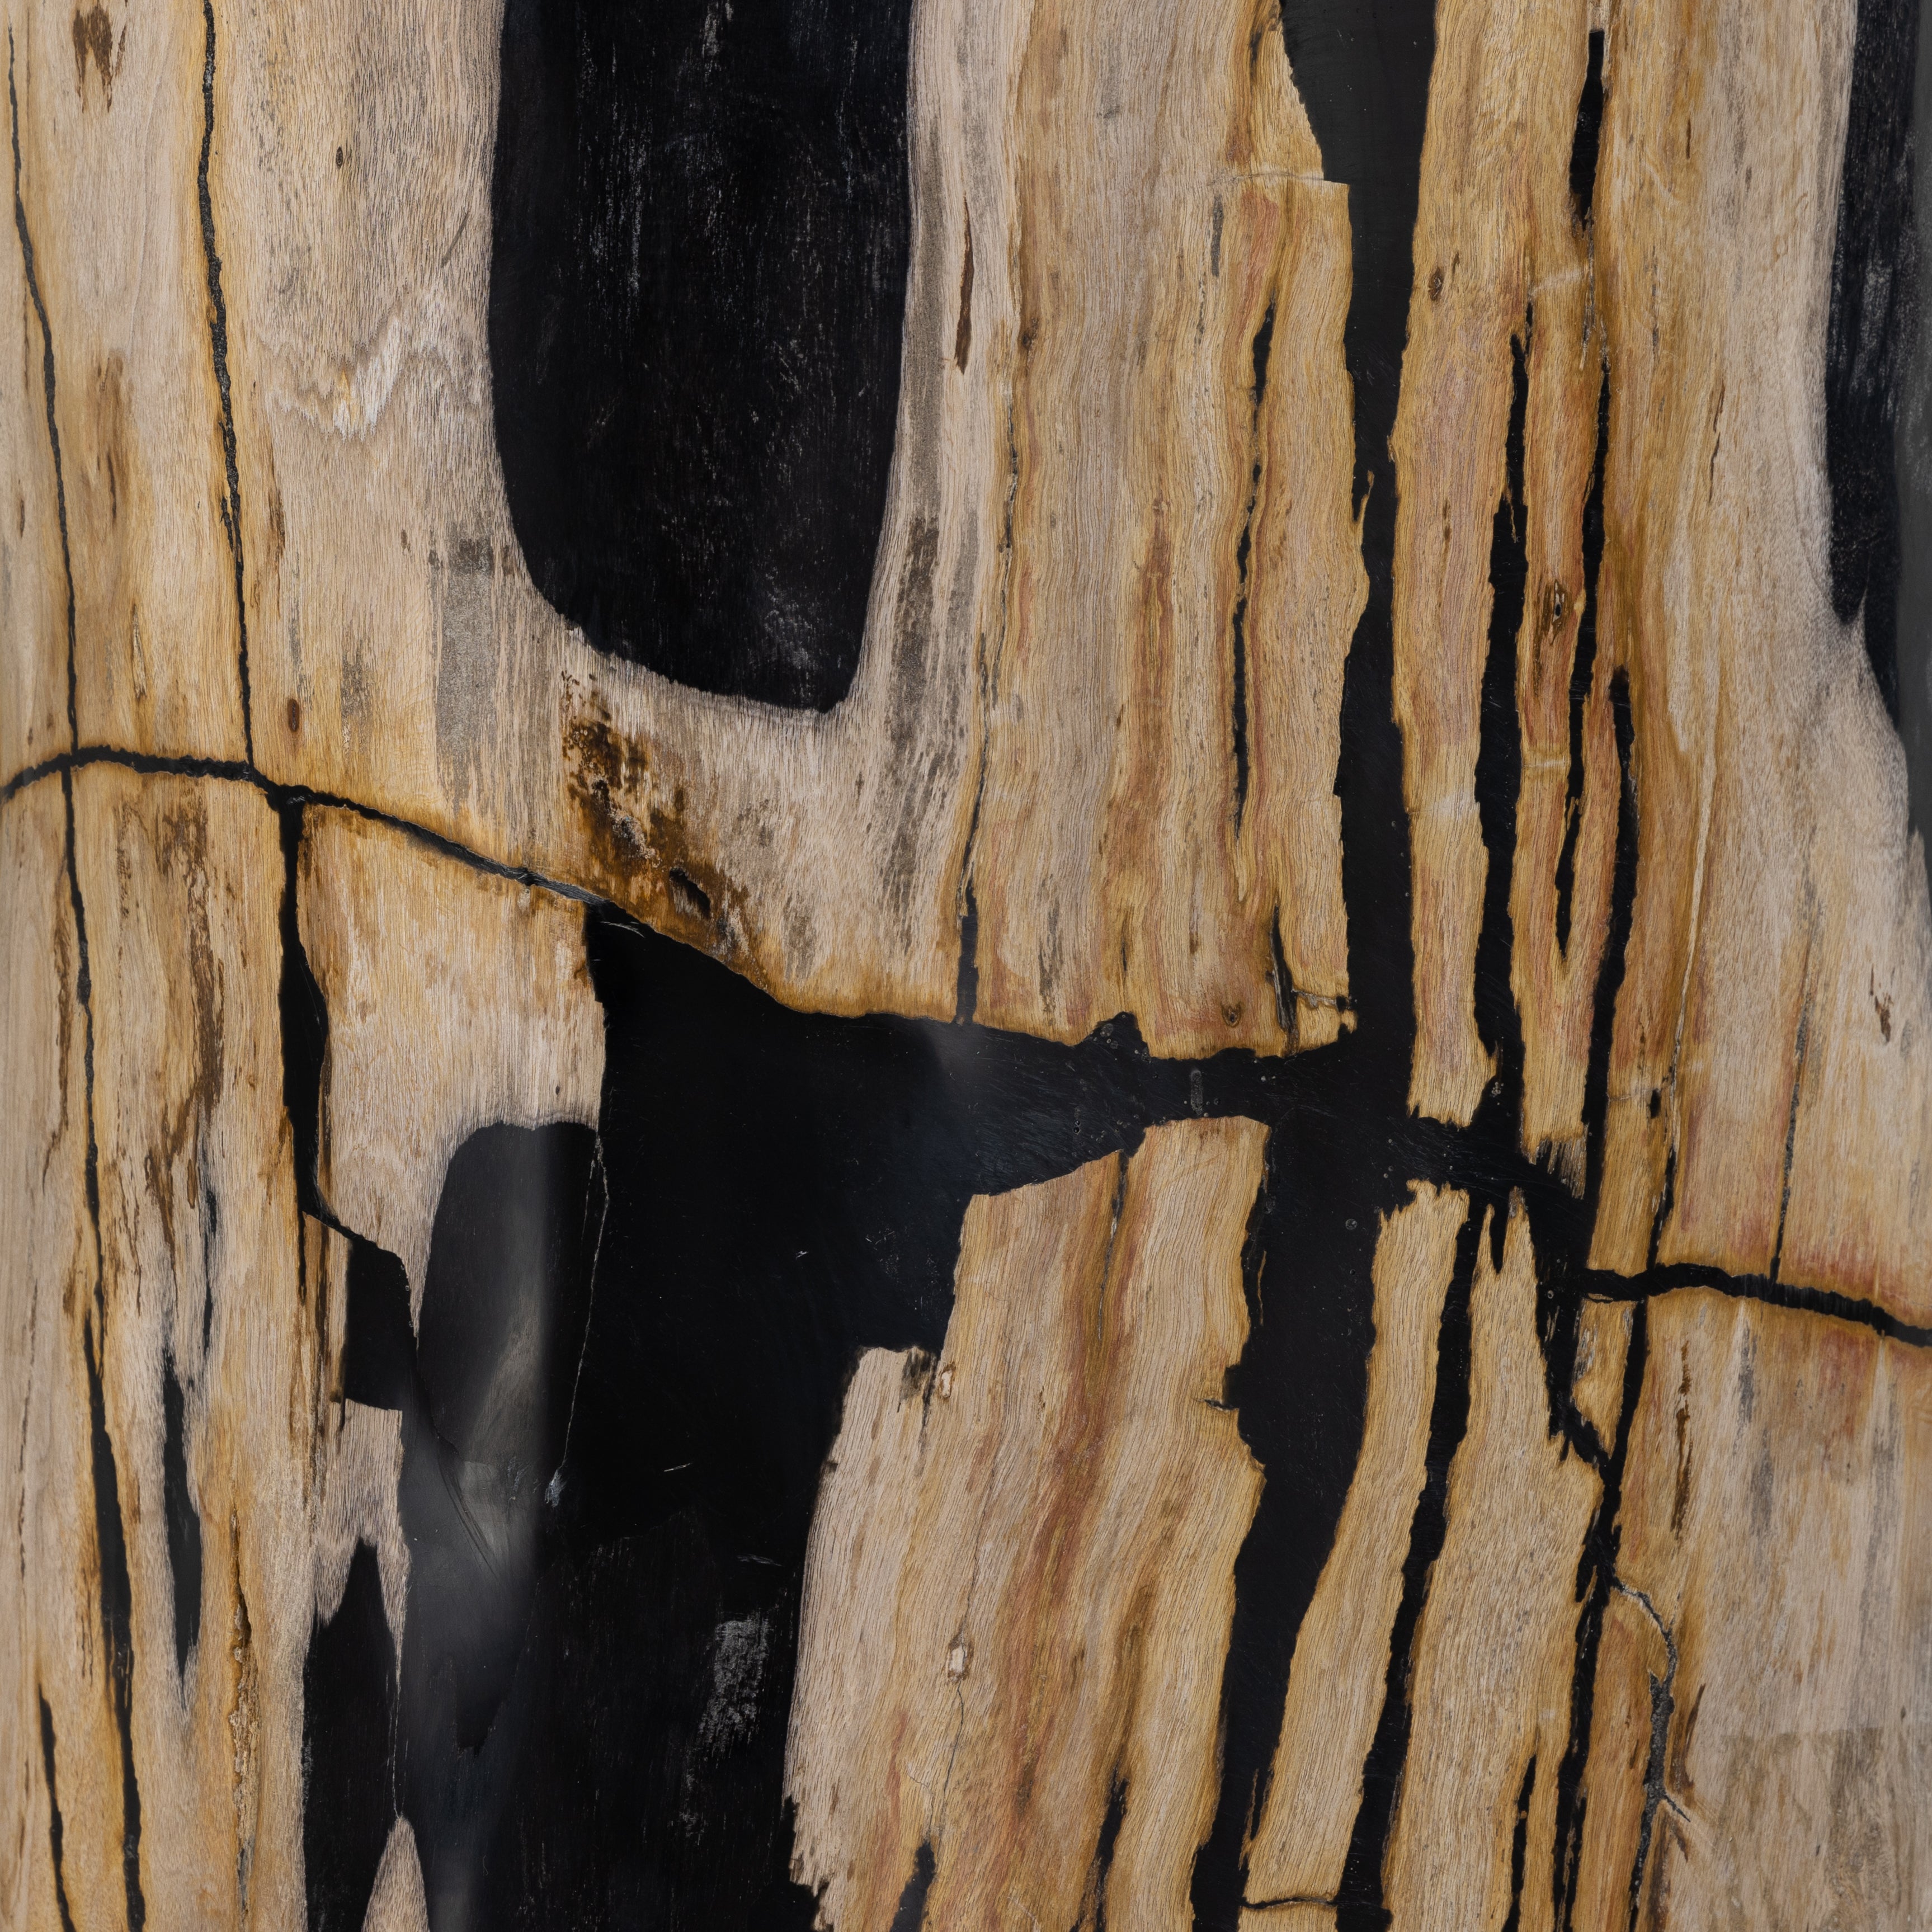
[(1185, 565), (1021, 1573), (33, 574), (110, 122), (48, 1644), (1020, 569), (455, 999), (1774, 870), (1776, 1564), (1495, 1646), (1492, 235)]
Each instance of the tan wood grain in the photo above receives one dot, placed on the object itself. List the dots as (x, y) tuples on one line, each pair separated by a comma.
[(827, 857), (1493, 232), (201, 1277), (1772, 997), (33, 573), (455, 1001), (49, 1611), (1776, 1571), (1495, 1645), (1603, 1331), (1775, 874), (1143, 620), (110, 122), (1021, 1573), (203, 1273)]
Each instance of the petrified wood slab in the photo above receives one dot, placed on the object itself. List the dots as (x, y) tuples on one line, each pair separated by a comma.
[(964, 965)]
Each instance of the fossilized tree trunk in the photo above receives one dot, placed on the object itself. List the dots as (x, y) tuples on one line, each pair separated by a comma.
[(1232, 1222)]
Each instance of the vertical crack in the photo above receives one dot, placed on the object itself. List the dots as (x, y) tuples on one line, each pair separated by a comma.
[(966, 997), (55, 1829), (1519, 1847), (47, 380), (1663, 1702), (1596, 1577), (117, 1627), (1583, 671), (84, 995), (231, 507), (1244, 552), (1616, 946)]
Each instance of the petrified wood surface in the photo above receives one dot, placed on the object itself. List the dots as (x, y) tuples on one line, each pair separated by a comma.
[(965, 963)]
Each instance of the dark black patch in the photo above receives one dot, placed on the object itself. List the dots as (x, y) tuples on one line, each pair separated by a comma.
[(1111, 1822), (349, 1714), (1498, 778), (56, 1830), (1300, 1390), (616, 1419), (500, 1338), (183, 1520), (1589, 135), (117, 1631), (966, 995), (379, 1345), (910, 1915), (702, 222), (1874, 303), (304, 1018)]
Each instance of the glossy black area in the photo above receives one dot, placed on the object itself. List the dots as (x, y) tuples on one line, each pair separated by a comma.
[(348, 1708), (305, 1020), (702, 223), (633, 1355), (499, 1339), (1912, 451), (378, 1343), (1874, 314)]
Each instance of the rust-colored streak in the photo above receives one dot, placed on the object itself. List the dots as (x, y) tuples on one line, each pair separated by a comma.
[(962, 340), (94, 42), (640, 855)]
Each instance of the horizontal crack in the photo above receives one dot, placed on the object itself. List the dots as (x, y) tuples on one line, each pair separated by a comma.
[(1601, 1284), (1454, 1156), (235, 772)]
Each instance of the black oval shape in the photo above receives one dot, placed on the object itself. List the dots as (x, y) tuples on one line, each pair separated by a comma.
[(702, 220)]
